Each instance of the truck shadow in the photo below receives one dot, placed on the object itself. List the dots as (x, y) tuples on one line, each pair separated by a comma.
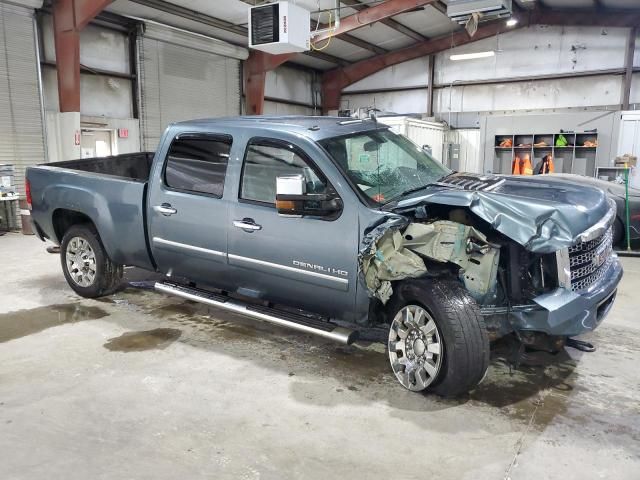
[(355, 374)]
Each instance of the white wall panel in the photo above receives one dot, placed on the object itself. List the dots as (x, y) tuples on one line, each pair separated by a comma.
[(523, 53), (635, 87), (402, 102), (420, 132), (532, 95), (278, 108), (182, 83), (100, 48), (21, 138), (413, 73), (289, 84), (537, 50), (469, 140), (99, 95)]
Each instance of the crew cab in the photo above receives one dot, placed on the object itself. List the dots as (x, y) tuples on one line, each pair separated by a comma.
[(340, 228)]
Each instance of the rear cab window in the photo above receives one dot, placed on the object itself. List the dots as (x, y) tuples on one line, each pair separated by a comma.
[(197, 164)]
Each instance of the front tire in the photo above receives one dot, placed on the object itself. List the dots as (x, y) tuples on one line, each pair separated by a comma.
[(437, 339), (86, 266)]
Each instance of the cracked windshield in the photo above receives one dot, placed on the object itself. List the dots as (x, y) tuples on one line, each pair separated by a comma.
[(384, 165)]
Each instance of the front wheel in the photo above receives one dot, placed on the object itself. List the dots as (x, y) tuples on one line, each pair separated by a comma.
[(437, 339), (86, 266)]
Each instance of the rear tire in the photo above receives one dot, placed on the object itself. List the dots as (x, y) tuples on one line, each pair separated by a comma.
[(86, 266), (461, 360)]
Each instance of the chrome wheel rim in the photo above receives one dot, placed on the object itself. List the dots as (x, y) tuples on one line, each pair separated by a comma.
[(81, 262), (415, 348)]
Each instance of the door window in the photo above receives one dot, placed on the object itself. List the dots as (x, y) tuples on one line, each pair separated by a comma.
[(198, 164), (265, 161)]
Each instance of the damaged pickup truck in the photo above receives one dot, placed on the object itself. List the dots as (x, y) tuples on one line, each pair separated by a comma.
[(339, 228)]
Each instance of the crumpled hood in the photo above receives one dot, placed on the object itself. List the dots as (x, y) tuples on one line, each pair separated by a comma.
[(542, 213)]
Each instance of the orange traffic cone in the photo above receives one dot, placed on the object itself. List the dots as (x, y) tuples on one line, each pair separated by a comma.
[(515, 166), (526, 169)]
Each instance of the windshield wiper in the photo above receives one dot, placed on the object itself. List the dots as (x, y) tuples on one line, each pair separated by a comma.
[(417, 189), (406, 192)]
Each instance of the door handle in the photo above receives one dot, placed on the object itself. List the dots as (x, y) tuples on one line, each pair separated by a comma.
[(165, 209), (247, 224)]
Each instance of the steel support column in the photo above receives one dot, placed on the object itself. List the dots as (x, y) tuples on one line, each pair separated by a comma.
[(628, 74), (69, 18), (255, 73), (431, 74)]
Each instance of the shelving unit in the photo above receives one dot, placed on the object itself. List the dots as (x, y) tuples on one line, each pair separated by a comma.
[(573, 158)]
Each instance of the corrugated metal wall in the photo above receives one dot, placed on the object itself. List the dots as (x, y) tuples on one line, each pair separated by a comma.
[(469, 140), (21, 131), (419, 132), (182, 78)]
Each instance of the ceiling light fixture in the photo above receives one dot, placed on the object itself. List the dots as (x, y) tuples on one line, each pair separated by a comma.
[(471, 56), (512, 22)]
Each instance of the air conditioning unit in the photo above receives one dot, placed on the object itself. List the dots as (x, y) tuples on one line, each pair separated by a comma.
[(461, 10), (280, 27)]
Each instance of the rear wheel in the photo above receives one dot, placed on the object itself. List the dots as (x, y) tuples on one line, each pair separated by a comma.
[(86, 266), (437, 339)]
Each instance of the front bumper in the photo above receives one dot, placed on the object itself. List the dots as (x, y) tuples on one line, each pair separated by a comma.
[(563, 312)]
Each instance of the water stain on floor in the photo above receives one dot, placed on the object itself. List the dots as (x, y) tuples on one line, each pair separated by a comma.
[(156, 339), (27, 322)]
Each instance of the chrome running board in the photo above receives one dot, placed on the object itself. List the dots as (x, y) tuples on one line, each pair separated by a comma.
[(290, 320)]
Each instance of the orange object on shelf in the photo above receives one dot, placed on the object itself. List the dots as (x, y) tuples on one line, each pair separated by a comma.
[(515, 165), (526, 168), (590, 143), (547, 165), (507, 143)]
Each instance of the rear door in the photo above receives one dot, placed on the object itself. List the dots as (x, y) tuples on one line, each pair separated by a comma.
[(306, 262), (188, 210)]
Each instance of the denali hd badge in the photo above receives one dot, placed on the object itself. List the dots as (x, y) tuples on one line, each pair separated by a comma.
[(320, 268)]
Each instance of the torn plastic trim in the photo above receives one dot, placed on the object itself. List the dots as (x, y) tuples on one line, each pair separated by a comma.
[(395, 249)]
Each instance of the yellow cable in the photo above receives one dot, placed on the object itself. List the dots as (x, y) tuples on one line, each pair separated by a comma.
[(316, 49)]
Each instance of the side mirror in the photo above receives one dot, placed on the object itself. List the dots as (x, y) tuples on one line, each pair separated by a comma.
[(427, 149), (293, 201)]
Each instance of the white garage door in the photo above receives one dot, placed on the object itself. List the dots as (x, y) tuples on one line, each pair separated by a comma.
[(184, 76), (21, 133)]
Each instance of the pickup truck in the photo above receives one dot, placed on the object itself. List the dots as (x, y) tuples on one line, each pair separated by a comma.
[(340, 228)]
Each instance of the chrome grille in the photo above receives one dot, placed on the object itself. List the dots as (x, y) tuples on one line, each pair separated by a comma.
[(589, 261)]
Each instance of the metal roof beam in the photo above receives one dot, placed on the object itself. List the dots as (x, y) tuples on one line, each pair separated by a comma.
[(205, 19), (607, 17), (389, 22), (335, 80), (372, 15)]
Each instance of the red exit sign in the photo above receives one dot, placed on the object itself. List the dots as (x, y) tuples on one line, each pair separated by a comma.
[(123, 133)]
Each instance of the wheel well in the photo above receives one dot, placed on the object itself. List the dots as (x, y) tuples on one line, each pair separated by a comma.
[(64, 219)]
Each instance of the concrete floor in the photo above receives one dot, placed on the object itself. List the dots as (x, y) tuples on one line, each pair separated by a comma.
[(139, 385)]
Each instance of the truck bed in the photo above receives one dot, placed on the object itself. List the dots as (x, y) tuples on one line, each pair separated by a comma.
[(135, 166), (108, 191)]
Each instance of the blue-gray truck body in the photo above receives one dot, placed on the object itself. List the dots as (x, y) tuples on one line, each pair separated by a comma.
[(312, 263)]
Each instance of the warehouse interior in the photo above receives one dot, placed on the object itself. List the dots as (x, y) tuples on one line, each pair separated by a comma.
[(139, 384)]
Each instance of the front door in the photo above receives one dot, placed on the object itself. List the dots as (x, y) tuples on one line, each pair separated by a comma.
[(306, 262), (188, 212)]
